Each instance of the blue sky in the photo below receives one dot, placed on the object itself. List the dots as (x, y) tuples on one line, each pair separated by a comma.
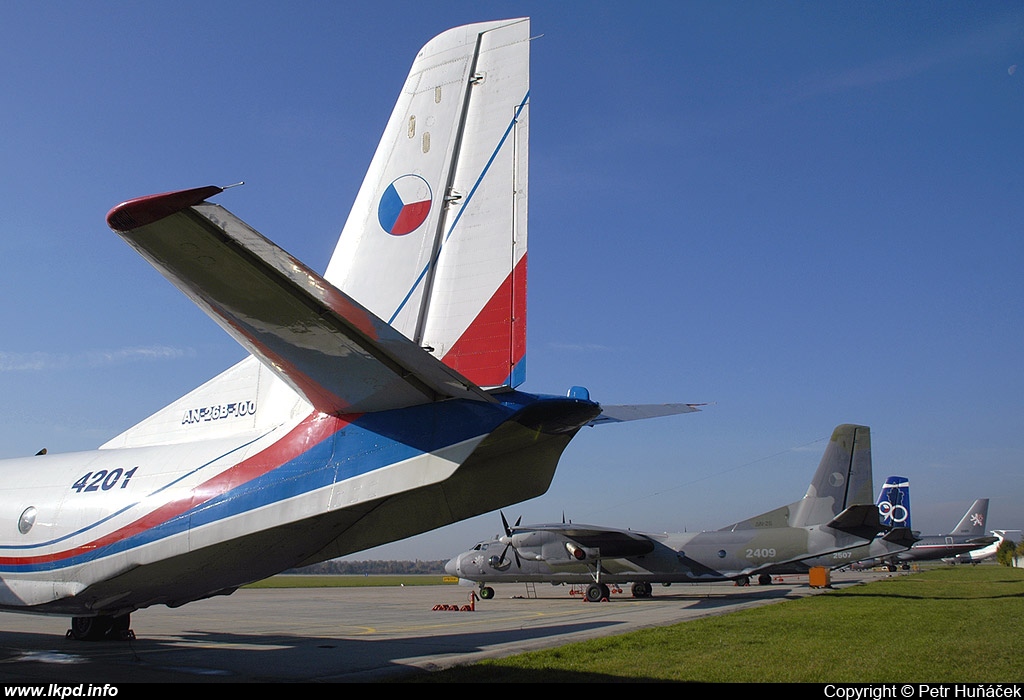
[(804, 213)]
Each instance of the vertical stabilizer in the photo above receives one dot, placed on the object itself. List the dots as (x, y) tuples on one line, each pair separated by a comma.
[(436, 240), (894, 503), (843, 478), (973, 522)]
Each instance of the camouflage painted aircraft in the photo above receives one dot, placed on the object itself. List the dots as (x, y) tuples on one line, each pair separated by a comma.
[(837, 513)]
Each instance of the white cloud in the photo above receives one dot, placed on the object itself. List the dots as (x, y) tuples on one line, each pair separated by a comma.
[(49, 361)]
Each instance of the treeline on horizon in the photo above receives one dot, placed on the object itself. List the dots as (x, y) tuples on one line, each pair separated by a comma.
[(371, 567)]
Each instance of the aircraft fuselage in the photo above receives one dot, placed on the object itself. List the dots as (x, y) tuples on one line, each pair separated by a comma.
[(718, 555), (938, 547), (113, 530)]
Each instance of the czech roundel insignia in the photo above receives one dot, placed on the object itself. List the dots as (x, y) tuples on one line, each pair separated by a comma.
[(404, 206)]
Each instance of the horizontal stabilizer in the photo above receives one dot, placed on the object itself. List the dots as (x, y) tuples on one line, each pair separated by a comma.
[(860, 520), (627, 412), (325, 345), (902, 536)]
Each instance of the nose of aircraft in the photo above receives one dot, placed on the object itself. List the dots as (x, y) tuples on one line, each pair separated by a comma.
[(452, 567)]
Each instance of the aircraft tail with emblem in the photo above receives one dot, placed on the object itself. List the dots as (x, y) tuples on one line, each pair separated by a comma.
[(894, 503), (973, 522), (435, 243), (424, 298), (433, 256), (894, 514)]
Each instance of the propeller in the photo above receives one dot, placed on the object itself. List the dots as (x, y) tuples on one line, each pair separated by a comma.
[(500, 563)]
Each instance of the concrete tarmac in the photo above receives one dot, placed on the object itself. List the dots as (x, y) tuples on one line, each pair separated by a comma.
[(354, 634)]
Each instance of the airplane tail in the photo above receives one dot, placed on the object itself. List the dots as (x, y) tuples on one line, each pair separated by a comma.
[(894, 512), (433, 256), (894, 503), (840, 495), (843, 479), (435, 243), (973, 522)]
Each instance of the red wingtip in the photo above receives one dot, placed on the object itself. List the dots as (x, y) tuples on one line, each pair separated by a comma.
[(145, 210)]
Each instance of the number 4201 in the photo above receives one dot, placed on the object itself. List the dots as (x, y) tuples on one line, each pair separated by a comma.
[(104, 480)]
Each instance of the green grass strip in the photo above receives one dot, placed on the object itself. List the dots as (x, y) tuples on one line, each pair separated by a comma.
[(952, 624)]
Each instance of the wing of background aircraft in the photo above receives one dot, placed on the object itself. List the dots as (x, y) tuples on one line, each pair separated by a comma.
[(610, 542)]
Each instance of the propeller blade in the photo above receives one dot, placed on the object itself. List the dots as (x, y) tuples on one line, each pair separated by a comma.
[(508, 535)]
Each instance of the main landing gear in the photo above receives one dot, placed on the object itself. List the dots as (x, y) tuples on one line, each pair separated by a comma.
[(762, 580), (597, 592), (642, 589), (100, 628)]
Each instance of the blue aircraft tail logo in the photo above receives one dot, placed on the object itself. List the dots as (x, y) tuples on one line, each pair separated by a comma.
[(894, 502)]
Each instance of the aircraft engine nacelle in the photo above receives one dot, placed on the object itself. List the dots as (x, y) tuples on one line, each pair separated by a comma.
[(579, 553)]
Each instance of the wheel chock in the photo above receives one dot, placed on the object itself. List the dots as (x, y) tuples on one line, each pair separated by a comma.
[(455, 608)]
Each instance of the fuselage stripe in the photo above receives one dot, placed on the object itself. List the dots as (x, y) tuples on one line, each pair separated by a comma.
[(316, 428)]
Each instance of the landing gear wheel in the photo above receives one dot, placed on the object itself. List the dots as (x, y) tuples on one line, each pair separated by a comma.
[(597, 592), (764, 579), (89, 629), (642, 590), (743, 581), (101, 627), (486, 593)]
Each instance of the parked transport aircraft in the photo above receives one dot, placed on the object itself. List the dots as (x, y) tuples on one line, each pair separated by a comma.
[(968, 535), (837, 513), (379, 400)]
